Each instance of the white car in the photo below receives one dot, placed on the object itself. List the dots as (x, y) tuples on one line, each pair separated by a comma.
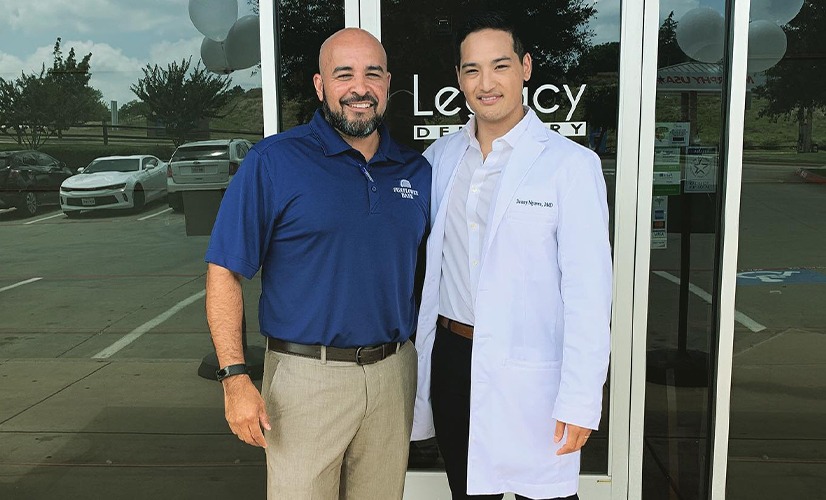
[(126, 182)]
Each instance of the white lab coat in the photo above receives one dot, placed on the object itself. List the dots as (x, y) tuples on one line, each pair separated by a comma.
[(542, 312)]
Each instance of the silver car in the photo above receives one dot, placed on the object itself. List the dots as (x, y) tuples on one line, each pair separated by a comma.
[(203, 165)]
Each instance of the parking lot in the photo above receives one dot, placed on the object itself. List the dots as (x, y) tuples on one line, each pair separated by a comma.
[(103, 330)]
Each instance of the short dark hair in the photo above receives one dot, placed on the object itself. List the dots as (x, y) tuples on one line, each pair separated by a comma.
[(483, 20)]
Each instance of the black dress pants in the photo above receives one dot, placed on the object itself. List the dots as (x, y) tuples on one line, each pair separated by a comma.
[(450, 399)]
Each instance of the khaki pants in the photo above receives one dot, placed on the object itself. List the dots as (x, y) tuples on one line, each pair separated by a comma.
[(339, 430)]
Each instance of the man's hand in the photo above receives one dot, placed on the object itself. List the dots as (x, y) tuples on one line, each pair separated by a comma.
[(577, 436), (245, 411)]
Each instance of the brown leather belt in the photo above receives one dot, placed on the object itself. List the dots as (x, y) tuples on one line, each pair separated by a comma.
[(358, 355), (456, 327)]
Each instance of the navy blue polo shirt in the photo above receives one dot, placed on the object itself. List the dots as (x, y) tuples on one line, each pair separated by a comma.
[(335, 237)]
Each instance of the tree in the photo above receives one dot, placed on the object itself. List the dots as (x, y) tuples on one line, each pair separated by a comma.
[(601, 102), (179, 98), (133, 109), (669, 52), (35, 107), (793, 87)]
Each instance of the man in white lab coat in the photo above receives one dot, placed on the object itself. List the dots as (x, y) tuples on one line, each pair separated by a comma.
[(513, 333)]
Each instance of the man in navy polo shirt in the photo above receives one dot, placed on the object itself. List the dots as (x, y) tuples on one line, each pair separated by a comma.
[(333, 213)]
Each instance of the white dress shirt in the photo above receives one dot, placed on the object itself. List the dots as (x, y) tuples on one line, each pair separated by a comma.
[(468, 210)]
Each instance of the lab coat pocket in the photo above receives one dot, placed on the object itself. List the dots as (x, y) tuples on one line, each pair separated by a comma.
[(529, 391)]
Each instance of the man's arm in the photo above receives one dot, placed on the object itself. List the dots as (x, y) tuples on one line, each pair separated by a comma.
[(243, 406)]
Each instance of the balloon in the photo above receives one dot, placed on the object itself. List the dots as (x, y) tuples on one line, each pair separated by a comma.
[(243, 43), (777, 11), (214, 56), (700, 33), (767, 45), (213, 18)]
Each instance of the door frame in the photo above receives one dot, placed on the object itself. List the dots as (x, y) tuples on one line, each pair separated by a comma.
[(634, 170)]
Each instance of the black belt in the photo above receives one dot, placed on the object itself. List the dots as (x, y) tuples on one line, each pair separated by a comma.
[(358, 355)]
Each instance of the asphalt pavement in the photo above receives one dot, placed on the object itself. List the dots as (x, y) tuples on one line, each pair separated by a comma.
[(103, 330)]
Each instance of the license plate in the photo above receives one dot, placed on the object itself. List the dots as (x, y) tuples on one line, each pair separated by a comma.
[(87, 202), (197, 170)]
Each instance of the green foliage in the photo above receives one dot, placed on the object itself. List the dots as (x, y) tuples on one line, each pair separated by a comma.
[(132, 110), (35, 107), (180, 99), (669, 52), (793, 88)]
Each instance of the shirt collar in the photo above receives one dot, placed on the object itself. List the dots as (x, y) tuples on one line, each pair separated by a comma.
[(513, 135), (333, 144)]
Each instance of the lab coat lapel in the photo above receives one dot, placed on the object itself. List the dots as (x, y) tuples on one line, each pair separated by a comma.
[(527, 150)]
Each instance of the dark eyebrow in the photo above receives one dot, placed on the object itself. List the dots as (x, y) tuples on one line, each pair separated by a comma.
[(495, 61), (375, 68)]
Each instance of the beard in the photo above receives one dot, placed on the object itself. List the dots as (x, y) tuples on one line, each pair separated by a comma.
[(352, 128)]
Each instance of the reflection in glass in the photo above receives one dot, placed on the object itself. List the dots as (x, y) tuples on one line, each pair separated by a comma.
[(302, 26), (573, 89), (684, 214), (779, 367), (102, 328)]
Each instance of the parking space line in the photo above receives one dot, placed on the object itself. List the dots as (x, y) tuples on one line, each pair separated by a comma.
[(59, 214), (156, 214), (137, 332), (739, 317), (26, 282)]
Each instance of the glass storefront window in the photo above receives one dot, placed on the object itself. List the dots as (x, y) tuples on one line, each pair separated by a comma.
[(682, 331), (777, 395), (101, 271), (573, 89)]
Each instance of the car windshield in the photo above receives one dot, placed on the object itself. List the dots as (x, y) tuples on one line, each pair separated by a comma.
[(213, 152), (113, 165)]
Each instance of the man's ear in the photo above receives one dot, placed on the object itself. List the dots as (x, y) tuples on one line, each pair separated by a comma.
[(319, 86), (527, 66)]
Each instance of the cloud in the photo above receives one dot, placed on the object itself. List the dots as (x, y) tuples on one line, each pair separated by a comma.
[(90, 16), (113, 72)]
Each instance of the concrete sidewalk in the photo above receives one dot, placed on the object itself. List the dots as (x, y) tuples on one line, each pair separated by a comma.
[(120, 430)]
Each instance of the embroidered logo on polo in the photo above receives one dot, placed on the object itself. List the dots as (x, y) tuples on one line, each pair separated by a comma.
[(405, 190)]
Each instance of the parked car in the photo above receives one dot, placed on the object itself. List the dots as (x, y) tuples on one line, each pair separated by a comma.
[(203, 165), (114, 182), (30, 179)]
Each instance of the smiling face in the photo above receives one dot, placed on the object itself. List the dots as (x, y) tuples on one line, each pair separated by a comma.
[(352, 82), (491, 76)]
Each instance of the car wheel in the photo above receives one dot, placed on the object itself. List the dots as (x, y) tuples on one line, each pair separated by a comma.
[(28, 204), (72, 214), (138, 198)]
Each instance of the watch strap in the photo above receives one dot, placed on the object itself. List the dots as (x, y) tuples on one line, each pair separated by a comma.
[(229, 371)]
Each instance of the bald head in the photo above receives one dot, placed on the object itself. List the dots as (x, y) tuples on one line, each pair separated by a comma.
[(345, 40), (352, 82)]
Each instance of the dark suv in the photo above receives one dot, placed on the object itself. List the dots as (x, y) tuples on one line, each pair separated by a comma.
[(30, 179)]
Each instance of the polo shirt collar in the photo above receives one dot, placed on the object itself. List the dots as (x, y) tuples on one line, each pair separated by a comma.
[(333, 144)]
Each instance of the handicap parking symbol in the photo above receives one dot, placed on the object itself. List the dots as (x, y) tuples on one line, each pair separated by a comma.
[(784, 277)]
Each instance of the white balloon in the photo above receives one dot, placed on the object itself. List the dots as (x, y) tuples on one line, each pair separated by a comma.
[(777, 11), (243, 45), (213, 18), (214, 57), (767, 45), (700, 34)]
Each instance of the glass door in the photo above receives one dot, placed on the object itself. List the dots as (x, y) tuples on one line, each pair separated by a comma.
[(576, 89)]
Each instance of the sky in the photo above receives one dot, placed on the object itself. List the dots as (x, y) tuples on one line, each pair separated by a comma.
[(126, 35), (122, 35)]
